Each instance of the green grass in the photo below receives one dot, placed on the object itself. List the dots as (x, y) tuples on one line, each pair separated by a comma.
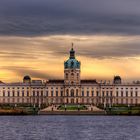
[(122, 110), (72, 107), (19, 110)]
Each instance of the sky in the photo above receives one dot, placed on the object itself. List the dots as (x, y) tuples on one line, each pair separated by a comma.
[(36, 36)]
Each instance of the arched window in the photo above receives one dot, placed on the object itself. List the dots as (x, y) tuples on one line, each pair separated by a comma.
[(67, 92), (72, 75), (72, 92), (77, 76), (76, 92)]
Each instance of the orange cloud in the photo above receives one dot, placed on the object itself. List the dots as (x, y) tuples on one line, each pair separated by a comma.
[(101, 56)]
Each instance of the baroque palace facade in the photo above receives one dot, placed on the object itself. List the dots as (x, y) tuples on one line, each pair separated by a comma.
[(71, 90)]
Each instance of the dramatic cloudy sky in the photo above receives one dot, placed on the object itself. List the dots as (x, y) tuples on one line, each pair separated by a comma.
[(36, 35)]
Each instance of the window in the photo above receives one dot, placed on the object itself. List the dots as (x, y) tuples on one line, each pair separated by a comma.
[(126, 101), (27, 93), (37, 93), (107, 94), (92, 93), (117, 93), (52, 93), (67, 92), (126, 93), (97, 93), (76, 92), (33, 93), (131, 93), (121, 93), (136, 93), (72, 92), (3, 93), (83, 93), (77, 76), (87, 93), (72, 82), (13, 93), (47, 93), (111, 93), (121, 101), (23, 93), (116, 101), (76, 100), (56, 93), (61, 93), (8, 93), (103, 93), (72, 75), (18, 93), (41, 92), (136, 101), (13, 100)]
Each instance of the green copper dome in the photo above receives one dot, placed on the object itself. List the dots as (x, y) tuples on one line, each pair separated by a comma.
[(72, 62)]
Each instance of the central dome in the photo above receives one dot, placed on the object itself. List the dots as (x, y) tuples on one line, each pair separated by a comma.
[(72, 62)]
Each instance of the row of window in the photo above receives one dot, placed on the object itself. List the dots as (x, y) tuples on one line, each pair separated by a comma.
[(126, 94), (125, 101), (107, 93), (122, 101), (70, 93), (62, 88), (15, 93), (15, 87), (127, 88)]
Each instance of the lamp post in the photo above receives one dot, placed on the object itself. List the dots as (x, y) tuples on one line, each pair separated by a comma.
[(34, 108), (110, 108), (78, 107), (104, 105)]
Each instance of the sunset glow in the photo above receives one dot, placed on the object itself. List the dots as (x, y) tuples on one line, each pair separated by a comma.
[(101, 56)]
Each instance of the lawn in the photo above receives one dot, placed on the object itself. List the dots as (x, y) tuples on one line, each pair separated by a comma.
[(124, 110), (72, 107)]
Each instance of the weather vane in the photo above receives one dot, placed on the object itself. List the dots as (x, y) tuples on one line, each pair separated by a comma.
[(72, 44)]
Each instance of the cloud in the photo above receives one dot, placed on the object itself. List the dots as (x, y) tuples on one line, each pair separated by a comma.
[(43, 57), (49, 48), (59, 17), (22, 71)]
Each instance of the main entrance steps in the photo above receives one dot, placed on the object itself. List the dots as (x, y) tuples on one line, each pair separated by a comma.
[(90, 110)]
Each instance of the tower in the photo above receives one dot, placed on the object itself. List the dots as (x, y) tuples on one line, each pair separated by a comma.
[(72, 69)]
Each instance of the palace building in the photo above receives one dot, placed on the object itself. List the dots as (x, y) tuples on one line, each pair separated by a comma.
[(71, 90)]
